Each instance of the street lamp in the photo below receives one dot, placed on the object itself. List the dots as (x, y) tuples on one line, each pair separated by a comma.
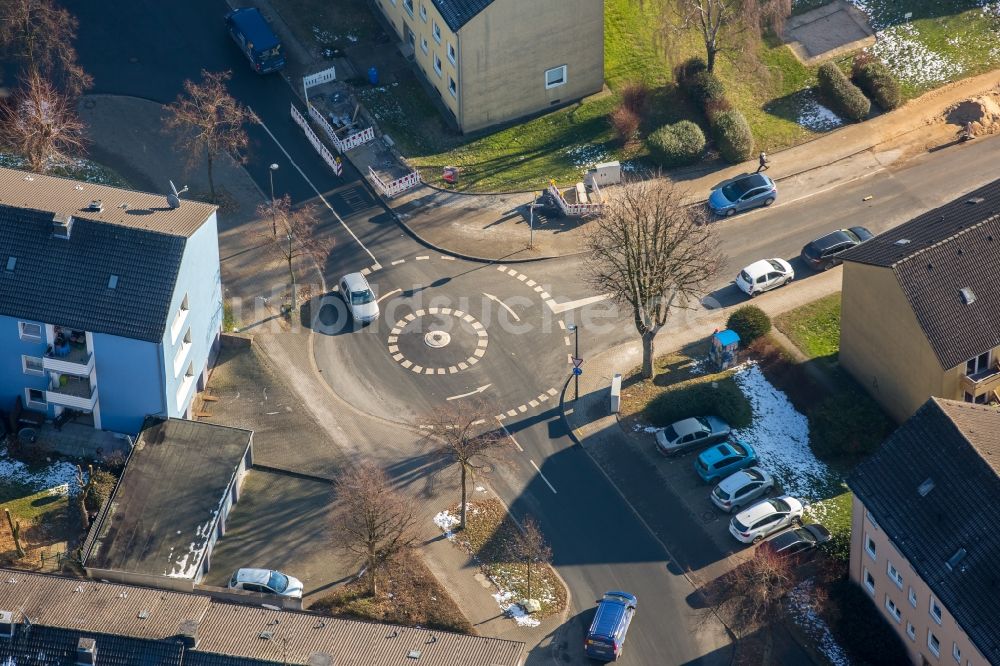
[(274, 224), (576, 355)]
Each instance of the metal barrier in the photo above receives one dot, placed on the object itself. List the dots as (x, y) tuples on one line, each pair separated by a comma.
[(342, 145), (394, 187), (324, 152), (576, 209)]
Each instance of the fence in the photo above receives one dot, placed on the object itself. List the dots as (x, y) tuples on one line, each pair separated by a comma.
[(324, 152), (342, 145), (316, 79), (394, 187), (577, 209)]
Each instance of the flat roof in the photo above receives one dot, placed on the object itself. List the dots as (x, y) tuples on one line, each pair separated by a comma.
[(168, 500)]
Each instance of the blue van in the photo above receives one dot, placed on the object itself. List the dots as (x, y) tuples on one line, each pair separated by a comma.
[(607, 632), (256, 39)]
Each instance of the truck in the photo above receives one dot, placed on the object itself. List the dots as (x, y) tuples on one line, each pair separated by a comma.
[(256, 39)]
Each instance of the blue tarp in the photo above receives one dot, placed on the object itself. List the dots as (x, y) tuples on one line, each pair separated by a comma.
[(726, 338)]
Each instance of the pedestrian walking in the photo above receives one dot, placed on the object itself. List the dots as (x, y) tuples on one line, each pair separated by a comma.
[(763, 162)]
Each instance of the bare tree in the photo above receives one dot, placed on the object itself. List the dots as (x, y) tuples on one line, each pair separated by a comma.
[(372, 520), (210, 121), (296, 236), (41, 124), (463, 437), (531, 547), (727, 25), (749, 594), (40, 35), (652, 253)]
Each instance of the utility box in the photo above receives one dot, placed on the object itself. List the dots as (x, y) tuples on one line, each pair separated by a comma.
[(616, 393), (606, 173)]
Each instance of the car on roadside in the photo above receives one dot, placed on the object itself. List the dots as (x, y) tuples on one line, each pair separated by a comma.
[(266, 581), (606, 635), (359, 297), (765, 517), (742, 488), (743, 193), (764, 275), (823, 253), (688, 434), (798, 543), (720, 461)]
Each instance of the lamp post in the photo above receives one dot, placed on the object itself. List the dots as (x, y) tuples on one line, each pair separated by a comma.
[(274, 224), (531, 220), (576, 354)]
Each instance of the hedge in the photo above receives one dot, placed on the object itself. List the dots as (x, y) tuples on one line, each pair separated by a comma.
[(878, 82), (697, 397), (675, 145), (100, 490), (684, 71), (732, 136), (749, 322), (704, 88), (846, 98), (847, 424)]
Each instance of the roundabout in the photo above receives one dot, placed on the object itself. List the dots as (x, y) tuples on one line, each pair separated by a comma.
[(440, 356)]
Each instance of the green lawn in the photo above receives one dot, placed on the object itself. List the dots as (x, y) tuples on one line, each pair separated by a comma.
[(834, 514), (814, 327)]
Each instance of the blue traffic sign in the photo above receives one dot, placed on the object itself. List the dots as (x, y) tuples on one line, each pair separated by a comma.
[(578, 371)]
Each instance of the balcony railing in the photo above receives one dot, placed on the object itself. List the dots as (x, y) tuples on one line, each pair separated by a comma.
[(76, 361), (982, 383), (75, 393)]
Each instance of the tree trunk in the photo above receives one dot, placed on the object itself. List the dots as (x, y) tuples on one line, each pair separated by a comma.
[(461, 511), (710, 60), (648, 370), (211, 178), (291, 273), (372, 575)]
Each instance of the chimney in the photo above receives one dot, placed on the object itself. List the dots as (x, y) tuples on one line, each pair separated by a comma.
[(61, 225), (320, 659), (86, 652), (6, 625), (189, 634)]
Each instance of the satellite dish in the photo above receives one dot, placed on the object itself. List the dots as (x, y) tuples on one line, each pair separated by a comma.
[(174, 198)]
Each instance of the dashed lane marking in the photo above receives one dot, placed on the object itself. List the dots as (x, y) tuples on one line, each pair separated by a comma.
[(482, 341), (398, 262), (543, 477), (422, 257), (566, 340), (509, 435), (447, 258)]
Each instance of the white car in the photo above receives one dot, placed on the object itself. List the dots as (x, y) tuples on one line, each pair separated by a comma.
[(360, 299), (266, 581), (766, 517), (742, 488), (764, 275)]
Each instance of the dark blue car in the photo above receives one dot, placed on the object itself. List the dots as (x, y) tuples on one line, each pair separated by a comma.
[(256, 39), (611, 621)]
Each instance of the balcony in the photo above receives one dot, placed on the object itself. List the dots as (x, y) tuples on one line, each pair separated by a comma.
[(75, 392), (75, 360), (982, 383)]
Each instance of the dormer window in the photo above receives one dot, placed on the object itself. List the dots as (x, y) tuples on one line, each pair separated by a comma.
[(113, 281)]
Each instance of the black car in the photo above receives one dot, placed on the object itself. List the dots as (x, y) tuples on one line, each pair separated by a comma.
[(798, 541), (822, 253)]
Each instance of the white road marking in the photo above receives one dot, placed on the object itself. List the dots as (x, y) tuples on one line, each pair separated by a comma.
[(522, 408), (479, 422), (533, 403), (422, 257), (542, 397), (393, 349), (398, 262), (466, 395), (314, 188), (385, 296), (452, 369), (406, 363), (552, 392), (503, 305), (512, 273), (447, 258), (462, 366), (543, 477), (522, 277), (397, 358), (510, 435), (429, 371), (393, 339), (500, 417), (545, 295), (480, 352), (531, 283), (566, 340), (562, 324), (502, 268), (417, 369), (538, 288), (441, 371), (366, 271), (458, 313), (511, 412), (559, 308)]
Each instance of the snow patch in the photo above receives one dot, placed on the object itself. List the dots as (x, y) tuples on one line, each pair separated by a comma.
[(514, 610), (816, 117), (804, 614), (586, 155), (900, 48), (58, 476), (446, 521)]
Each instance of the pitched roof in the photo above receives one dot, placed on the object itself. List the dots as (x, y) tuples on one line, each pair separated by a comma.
[(52, 646), (933, 487), (67, 281), (937, 255), (166, 505), (457, 13)]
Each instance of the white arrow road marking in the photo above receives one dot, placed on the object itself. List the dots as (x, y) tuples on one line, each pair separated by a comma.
[(503, 305), (466, 395), (559, 308), (385, 296)]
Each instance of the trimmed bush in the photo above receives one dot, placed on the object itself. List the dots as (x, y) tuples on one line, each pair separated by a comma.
[(875, 79), (100, 491), (847, 424), (677, 145), (697, 397), (684, 71), (846, 98), (732, 136), (625, 123), (704, 88), (861, 627), (749, 322)]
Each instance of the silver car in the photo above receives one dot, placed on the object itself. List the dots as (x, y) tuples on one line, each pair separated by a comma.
[(358, 296), (742, 488), (765, 517), (266, 581), (687, 434)]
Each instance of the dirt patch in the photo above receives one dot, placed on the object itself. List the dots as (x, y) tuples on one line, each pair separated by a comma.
[(983, 113)]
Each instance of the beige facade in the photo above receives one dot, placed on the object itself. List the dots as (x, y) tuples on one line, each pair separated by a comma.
[(883, 346), (928, 630), (511, 60)]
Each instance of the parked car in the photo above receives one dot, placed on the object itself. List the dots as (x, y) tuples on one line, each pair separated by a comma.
[(821, 254), (266, 581), (610, 625), (256, 39), (720, 461), (765, 517), (742, 488), (764, 275), (797, 542), (688, 434), (743, 193), (360, 299)]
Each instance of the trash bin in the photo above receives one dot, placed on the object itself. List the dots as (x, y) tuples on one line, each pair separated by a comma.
[(373, 75)]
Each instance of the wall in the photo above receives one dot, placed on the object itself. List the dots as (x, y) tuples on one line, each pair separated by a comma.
[(13, 381), (505, 50), (129, 381), (948, 632), (882, 344), (145, 580)]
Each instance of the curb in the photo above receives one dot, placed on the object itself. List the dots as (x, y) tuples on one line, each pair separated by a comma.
[(288, 472)]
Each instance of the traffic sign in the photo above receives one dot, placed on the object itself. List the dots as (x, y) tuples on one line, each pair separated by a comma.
[(577, 362), (578, 371)]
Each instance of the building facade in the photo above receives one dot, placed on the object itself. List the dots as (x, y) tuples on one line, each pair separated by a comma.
[(495, 61), (110, 300)]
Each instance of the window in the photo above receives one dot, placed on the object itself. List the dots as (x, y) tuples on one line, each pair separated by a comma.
[(32, 365), (437, 64), (423, 12), (423, 44), (869, 581), (871, 519), (436, 32), (977, 364), (894, 574), (35, 398), (182, 352), (935, 610), (911, 631), (452, 87), (893, 609), (956, 652), (933, 643), (913, 598), (179, 318), (451, 53), (870, 546), (408, 5), (30, 332), (555, 77)]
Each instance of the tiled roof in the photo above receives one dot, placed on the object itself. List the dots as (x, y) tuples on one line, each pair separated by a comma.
[(66, 282), (127, 208), (457, 13), (937, 255), (168, 500), (933, 487), (51, 646)]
